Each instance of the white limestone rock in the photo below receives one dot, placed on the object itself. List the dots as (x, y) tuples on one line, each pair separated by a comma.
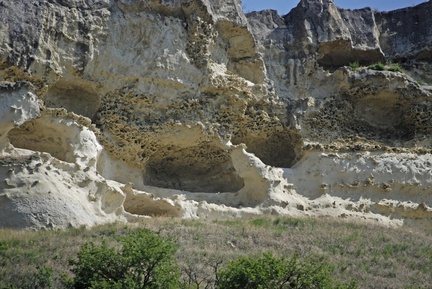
[(123, 110)]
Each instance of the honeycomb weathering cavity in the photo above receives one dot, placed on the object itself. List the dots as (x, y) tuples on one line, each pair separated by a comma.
[(203, 168), (43, 136), (79, 97), (277, 147)]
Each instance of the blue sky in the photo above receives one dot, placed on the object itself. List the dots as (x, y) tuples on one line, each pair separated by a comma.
[(284, 6)]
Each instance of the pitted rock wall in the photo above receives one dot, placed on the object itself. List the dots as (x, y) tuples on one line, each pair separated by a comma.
[(190, 108)]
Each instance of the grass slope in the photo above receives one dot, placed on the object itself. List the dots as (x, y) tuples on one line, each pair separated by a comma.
[(376, 257)]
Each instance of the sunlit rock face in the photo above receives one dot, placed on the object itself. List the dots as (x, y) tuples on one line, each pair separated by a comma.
[(123, 110)]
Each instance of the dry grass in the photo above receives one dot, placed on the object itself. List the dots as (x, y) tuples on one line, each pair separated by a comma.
[(375, 256)]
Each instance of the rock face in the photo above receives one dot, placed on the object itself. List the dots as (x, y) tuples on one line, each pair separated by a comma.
[(126, 109)]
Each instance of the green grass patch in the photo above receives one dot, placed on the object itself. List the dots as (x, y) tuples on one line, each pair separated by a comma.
[(390, 66), (262, 223), (377, 66), (395, 249), (395, 67), (229, 222), (354, 65)]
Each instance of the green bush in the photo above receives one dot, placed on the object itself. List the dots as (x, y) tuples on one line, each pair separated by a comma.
[(377, 66), (142, 259), (43, 278), (395, 67), (269, 272), (354, 65)]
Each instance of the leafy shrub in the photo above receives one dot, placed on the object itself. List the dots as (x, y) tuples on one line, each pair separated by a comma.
[(269, 272), (9, 286), (44, 277), (377, 66), (395, 67), (354, 65), (143, 259)]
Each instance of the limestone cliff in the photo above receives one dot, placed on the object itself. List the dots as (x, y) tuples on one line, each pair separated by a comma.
[(117, 110)]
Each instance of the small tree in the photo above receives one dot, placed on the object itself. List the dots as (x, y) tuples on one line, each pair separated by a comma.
[(268, 272), (143, 259)]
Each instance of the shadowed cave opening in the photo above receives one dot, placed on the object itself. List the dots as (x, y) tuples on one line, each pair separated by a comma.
[(80, 97), (43, 136), (335, 54), (278, 148), (202, 168)]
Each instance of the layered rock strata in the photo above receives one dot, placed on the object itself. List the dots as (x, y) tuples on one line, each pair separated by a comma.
[(121, 110)]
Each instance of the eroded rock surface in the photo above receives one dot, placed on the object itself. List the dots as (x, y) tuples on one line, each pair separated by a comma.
[(126, 109)]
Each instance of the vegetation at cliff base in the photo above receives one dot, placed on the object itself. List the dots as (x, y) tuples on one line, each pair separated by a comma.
[(267, 252), (269, 272), (140, 259)]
